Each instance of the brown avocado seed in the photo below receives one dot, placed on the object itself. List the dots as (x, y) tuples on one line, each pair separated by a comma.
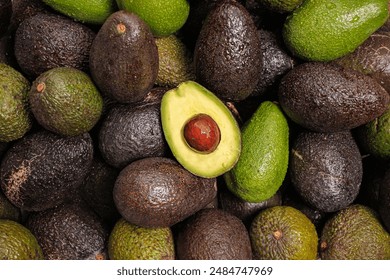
[(202, 133)]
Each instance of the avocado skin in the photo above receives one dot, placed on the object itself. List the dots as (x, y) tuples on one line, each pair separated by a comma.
[(69, 232), (324, 31), (131, 132), (371, 58), (227, 53), (46, 41), (384, 200), (124, 66), (354, 233), (213, 234), (242, 209), (275, 62), (5, 15), (326, 97), (96, 190), (42, 169), (23, 9), (326, 169), (158, 192)]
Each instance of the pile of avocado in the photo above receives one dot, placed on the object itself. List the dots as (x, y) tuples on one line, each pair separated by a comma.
[(194, 129)]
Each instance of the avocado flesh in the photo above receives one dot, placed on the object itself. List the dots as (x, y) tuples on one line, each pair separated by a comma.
[(181, 104)]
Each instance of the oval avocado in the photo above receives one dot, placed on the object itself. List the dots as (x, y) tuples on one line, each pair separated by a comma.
[(42, 169), (327, 97), (227, 53), (46, 41), (213, 234), (325, 30), (159, 192), (326, 169), (124, 58), (69, 232)]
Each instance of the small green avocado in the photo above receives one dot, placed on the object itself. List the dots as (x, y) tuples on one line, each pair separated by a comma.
[(201, 132)]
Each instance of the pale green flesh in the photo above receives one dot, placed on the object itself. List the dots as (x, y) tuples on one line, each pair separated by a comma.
[(181, 104)]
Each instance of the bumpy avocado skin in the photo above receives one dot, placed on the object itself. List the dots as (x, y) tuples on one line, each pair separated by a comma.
[(355, 233), (283, 233), (327, 97), (69, 232), (15, 118), (131, 242), (131, 132), (42, 169), (65, 100), (46, 41), (213, 234), (326, 169), (124, 58), (159, 192), (227, 54), (17, 242)]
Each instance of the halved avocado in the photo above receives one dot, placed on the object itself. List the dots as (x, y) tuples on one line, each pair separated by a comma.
[(179, 108)]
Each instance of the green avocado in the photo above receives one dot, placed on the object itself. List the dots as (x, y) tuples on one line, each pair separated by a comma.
[(178, 107), (262, 166), (325, 30)]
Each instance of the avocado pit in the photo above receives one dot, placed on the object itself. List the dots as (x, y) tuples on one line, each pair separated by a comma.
[(202, 133)]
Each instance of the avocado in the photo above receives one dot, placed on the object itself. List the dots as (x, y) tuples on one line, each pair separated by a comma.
[(326, 97), (69, 232), (15, 117), (65, 101), (283, 233), (159, 192), (131, 132), (8, 210), (324, 31), (42, 169), (47, 41), (326, 169), (200, 130), (227, 53), (17, 242), (275, 62), (96, 190), (371, 58), (88, 11), (280, 6), (5, 15), (213, 234), (263, 162), (245, 210), (384, 200), (175, 62), (128, 73), (131, 242), (374, 137), (164, 17), (354, 233)]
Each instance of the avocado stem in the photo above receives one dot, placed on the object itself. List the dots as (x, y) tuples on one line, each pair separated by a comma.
[(41, 87), (277, 234), (121, 28), (323, 245)]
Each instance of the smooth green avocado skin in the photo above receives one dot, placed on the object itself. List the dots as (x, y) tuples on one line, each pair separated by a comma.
[(262, 166), (86, 11), (325, 30)]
